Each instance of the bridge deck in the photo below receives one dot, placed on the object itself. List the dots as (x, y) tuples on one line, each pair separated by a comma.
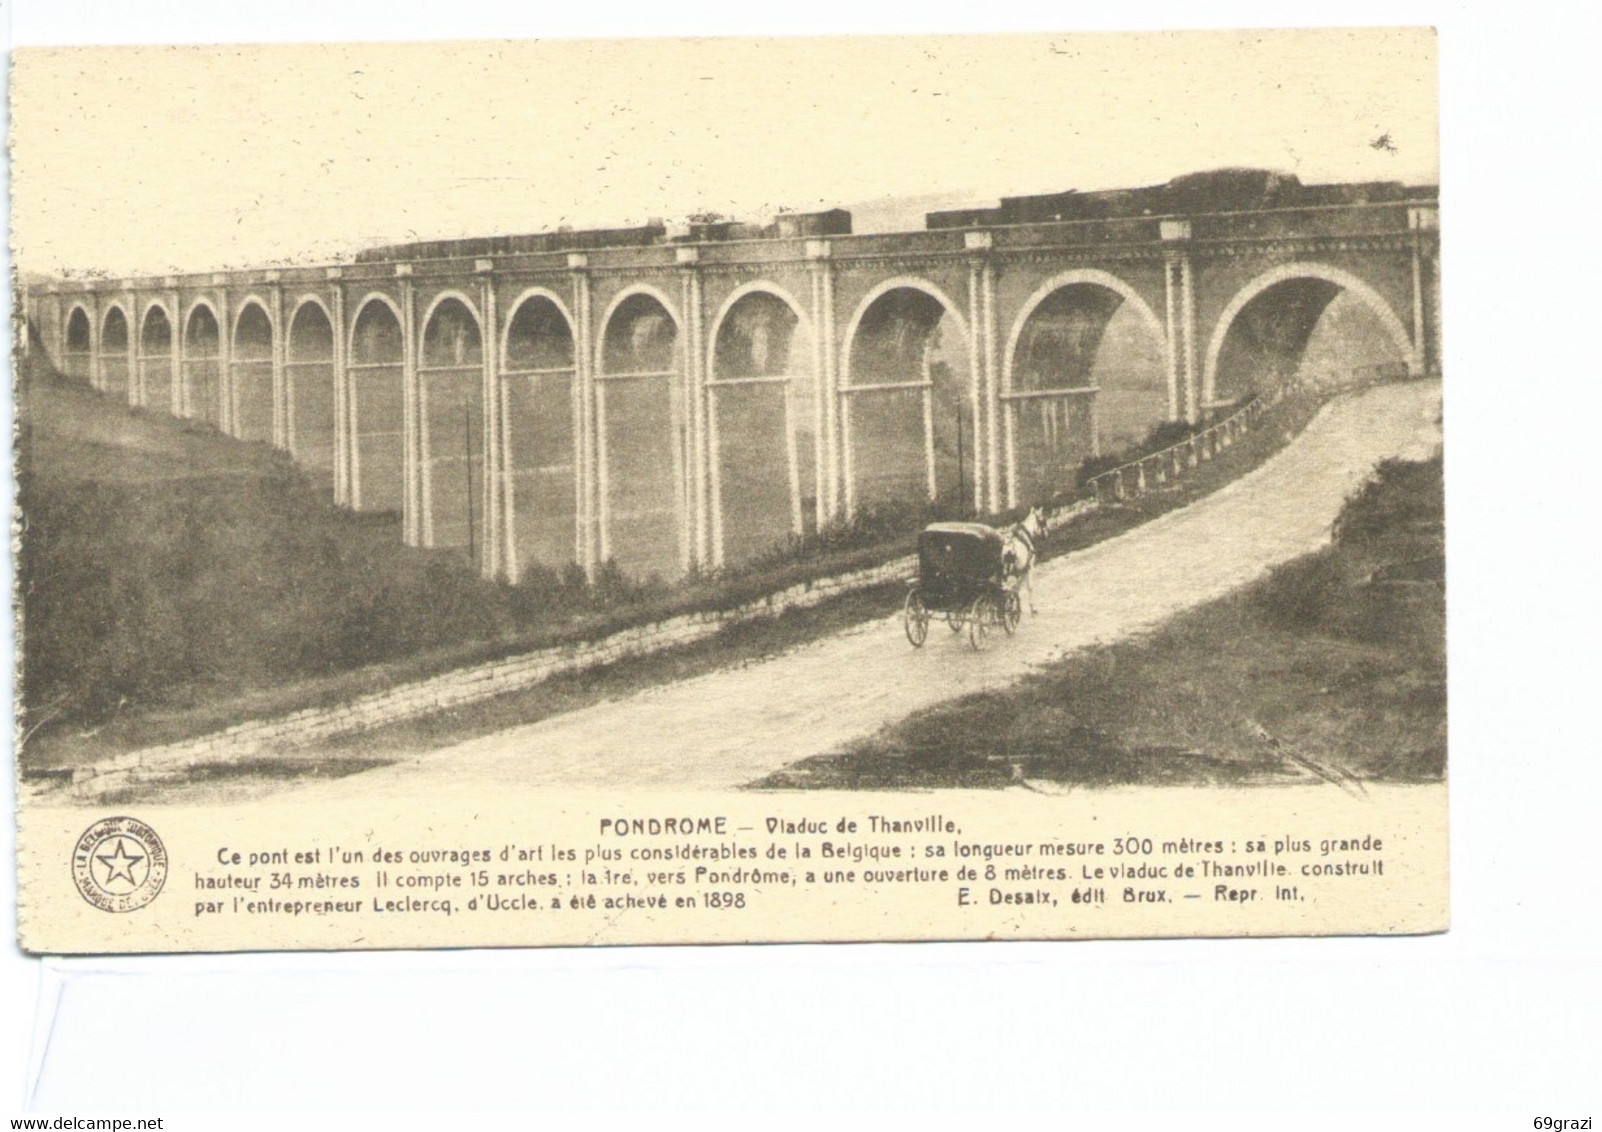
[(1388, 218)]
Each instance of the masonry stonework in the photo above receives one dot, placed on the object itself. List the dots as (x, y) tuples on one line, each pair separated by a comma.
[(682, 400)]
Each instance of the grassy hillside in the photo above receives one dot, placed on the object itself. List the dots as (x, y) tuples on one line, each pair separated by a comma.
[(175, 581), (163, 564), (1333, 666)]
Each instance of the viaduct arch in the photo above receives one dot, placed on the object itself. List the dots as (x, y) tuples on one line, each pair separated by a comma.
[(114, 360), (309, 393), (1048, 371), (539, 422), (891, 382), (762, 394), (78, 345), (201, 366), (1283, 277), (642, 425)]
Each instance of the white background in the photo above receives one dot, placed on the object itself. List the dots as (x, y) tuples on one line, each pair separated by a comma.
[(1494, 1023)]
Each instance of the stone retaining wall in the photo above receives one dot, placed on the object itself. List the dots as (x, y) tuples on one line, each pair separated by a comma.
[(481, 682), (467, 685), (486, 681)]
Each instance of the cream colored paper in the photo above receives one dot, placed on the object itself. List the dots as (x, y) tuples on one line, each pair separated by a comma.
[(196, 160)]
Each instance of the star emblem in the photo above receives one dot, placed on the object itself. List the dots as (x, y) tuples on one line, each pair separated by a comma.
[(119, 863)]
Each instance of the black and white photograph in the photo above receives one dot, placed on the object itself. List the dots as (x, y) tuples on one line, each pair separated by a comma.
[(594, 492), (999, 497)]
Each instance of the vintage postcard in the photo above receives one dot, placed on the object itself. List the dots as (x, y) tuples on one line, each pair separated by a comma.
[(536, 493)]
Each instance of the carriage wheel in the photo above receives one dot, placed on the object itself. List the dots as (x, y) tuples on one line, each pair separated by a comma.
[(1011, 612), (979, 618), (916, 616)]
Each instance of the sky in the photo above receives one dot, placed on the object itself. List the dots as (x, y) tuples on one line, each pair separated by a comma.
[(141, 160)]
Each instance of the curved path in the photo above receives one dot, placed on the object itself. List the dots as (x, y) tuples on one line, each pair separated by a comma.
[(733, 726)]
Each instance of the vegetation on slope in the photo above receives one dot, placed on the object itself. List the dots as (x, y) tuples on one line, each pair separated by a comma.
[(1333, 666), (162, 563), (175, 581)]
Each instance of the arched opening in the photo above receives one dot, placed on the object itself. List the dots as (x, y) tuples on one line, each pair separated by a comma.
[(1087, 375), (451, 380), (907, 419), (378, 411), (252, 370), (1348, 338), (309, 375), (1300, 321), (641, 440), (77, 354), (538, 390), (114, 353), (761, 413), (202, 367), (155, 359)]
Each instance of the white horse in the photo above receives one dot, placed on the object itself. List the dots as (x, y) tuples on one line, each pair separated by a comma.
[(1022, 548)]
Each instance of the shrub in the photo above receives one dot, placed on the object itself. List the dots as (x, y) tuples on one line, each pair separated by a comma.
[(1301, 595), (1403, 495), (1163, 435), (543, 593), (1092, 466), (1373, 584)]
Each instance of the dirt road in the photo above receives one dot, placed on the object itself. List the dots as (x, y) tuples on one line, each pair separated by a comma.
[(733, 726)]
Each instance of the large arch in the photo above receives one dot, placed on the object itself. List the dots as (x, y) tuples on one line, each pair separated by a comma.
[(907, 397), (1306, 304), (761, 413), (1084, 369), (377, 353), (251, 370), (155, 356), (202, 363), (539, 402), (641, 435), (310, 387), (450, 372), (78, 345), (114, 338)]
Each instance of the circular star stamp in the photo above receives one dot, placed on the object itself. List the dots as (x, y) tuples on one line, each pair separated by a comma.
[(119, 864)]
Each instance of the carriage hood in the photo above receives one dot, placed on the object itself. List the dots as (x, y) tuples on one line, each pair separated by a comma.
[(969, 549)]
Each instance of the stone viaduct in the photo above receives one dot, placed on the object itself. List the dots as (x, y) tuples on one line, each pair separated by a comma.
[(681, 399)]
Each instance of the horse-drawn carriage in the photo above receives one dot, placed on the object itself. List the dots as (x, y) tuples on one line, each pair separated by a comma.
[(963, 576)]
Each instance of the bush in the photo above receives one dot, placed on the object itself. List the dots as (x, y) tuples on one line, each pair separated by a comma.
[(1301, 595), (1092, 466), (1404, 496), (543, 593), (1163, 435), (614, 589), (1374, 584)]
